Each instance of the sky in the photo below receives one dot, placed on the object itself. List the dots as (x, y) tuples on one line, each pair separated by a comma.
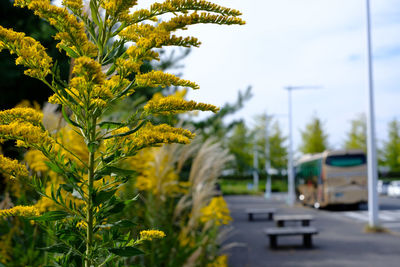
[(302, 43)]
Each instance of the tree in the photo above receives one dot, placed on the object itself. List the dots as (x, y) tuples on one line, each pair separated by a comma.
[(241, 147), (357, 137), (391, 148), (277, 150), (314, 139)]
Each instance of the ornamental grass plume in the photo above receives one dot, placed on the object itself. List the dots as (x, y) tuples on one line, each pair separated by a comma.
[(189, 211), (108, 46)]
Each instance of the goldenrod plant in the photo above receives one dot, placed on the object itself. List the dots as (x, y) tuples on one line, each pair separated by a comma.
[(188, 207), (108, 41)]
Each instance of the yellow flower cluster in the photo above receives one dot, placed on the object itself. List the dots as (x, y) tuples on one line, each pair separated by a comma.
[(24, 211), (220, 261), (181, 22), (137, 55), (71, 32), (151, 135), (180, 6), (27, 133), (159, 78), (89, 69), (186, 239), (156, 173), (151, 234), (126, 67), (21, 114), (12, 168), (147, 36), (30, 52), (36, 161), (118, 8), (75, 6), (217, 211), (173, 104)]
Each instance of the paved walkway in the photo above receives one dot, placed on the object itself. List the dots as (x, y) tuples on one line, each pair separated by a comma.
[(341, 242)]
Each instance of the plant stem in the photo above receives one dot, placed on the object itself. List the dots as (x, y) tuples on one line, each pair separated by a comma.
[(89, 212)]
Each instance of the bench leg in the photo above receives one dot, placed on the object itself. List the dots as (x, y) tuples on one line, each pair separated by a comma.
[(280, 223), (305, 223), (307, 241), (272, 241), (270, 216), (250, 216)]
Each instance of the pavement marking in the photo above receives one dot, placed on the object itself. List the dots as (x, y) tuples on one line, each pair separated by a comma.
[(384, 215)]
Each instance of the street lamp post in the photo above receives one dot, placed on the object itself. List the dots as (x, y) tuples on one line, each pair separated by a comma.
[(291, 194), (255, 168), (371, 146)]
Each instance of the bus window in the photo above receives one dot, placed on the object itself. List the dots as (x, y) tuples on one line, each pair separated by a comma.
[(349, 160)]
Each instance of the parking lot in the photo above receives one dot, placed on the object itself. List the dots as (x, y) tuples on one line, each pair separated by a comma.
[(341, 240)]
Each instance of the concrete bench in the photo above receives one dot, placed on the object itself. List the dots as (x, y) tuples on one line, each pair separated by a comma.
[(306, 232), (267, 211), (303, 218)]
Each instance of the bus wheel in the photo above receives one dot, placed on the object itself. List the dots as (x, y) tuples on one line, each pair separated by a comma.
[(317, 205)]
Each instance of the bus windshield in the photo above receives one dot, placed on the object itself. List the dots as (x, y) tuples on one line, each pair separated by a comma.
[(349, 160)]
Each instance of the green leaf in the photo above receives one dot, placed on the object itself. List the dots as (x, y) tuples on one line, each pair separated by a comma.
[(52, 216), (54, 167), (67, 187), (67, 119), (109, 170), (118, 207), (126, 251), (111, 70), (128, 132), (95, 15), (56, 248), (93, 146), (110, 125), (102, 196), (70, 52)]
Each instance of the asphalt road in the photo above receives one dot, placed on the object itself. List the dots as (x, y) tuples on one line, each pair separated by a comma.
[(341, 240)]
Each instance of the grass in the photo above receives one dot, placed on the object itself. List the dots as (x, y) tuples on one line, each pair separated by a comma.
[(240, 187), (375, 229)]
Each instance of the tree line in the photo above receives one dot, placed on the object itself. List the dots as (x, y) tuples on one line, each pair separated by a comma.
[(265, 140)]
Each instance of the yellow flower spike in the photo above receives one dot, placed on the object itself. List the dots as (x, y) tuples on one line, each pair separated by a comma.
[(25, 132), (23, 211), (159, 78), (118, 8), (21, 114), (90, 69), (98, 103), (36, 160), (173, 104), (216, 211), (75, 6), (220, 261), (30, 52), (151, 234), (12, 168), (179, 6), (71, 32), (54, 99)]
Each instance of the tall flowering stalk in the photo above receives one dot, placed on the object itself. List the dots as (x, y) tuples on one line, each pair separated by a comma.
[(107, 44)]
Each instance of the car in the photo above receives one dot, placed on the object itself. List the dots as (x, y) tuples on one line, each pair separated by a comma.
[(394, 189), (383, 187)]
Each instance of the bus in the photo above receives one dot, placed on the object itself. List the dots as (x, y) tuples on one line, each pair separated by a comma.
[(332, 178)]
